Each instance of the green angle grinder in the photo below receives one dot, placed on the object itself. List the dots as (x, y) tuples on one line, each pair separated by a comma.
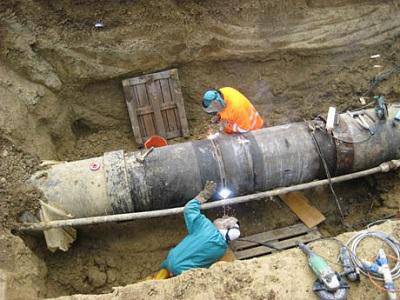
[(329, 284)]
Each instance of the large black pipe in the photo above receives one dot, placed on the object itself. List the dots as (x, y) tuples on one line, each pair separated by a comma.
[(278, 156)]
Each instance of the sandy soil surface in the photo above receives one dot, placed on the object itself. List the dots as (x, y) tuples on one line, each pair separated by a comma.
[(283, 275)]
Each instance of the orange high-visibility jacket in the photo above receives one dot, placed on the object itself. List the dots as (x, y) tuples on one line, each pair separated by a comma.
[(239, 114)]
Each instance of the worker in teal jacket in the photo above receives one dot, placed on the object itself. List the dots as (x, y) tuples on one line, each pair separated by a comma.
[(206, 241)]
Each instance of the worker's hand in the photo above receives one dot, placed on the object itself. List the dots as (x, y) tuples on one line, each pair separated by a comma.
[(215, 119), (207, 192)]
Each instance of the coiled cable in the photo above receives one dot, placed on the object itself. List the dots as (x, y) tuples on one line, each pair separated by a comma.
[(354, 242)]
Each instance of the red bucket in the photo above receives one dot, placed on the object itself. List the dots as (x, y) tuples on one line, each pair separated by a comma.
[(155, 141)]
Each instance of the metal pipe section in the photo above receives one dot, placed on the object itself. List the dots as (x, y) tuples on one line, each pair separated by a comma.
[(168, 177), (384, 167)]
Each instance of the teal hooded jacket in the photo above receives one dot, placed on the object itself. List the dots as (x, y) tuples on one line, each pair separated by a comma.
[(203, 245)]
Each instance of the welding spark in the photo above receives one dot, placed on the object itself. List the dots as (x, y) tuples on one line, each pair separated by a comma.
[(224, 193)]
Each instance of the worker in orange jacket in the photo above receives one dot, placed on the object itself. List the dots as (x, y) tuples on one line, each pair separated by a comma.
[(234, 111)]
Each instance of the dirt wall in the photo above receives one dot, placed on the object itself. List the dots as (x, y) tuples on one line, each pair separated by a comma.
[(60, 78)]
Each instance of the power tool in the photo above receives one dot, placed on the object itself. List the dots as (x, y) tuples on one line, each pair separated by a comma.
[(329, 284), (351, 272)]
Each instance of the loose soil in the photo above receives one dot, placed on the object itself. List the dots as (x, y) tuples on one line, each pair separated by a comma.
[(283, 275)]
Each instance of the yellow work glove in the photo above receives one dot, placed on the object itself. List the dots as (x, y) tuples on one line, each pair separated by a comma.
[(207, 192)]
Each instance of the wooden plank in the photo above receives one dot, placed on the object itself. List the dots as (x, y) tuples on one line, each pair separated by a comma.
[(171, 105), (177, 95), (299, 204), (166, 90), (164, 112), (155, 97), (131, 101), (143, 79), (162, 75), (173, 134), (134, 81), (144, 101), (142, 128), (145, 110), (281, 245), (149, 110), (140, 119), (173, 123), (276, 234)]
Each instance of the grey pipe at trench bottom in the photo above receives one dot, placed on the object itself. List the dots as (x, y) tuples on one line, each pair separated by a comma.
[(168, 177)]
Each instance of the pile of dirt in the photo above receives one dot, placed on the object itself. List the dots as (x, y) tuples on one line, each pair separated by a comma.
[(283, 275)]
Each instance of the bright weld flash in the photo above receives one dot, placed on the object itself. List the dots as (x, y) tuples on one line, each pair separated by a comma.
[(224, 193)]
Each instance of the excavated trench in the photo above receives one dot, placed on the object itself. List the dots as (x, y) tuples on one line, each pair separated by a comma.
[(105, 256), (61, 98)]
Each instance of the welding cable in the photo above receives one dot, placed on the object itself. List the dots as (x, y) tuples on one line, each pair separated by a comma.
[(326, 168), (354, 242), (375, 125), (353, 142), (359, 141)]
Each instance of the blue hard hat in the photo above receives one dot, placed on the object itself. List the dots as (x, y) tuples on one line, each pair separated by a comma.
[(209, 96), (212, 95)]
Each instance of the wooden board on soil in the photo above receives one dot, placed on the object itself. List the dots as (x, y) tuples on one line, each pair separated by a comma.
[(300, 205), (281, 238)]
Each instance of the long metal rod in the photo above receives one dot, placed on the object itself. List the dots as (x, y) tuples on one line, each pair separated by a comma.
[(384, 167)]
